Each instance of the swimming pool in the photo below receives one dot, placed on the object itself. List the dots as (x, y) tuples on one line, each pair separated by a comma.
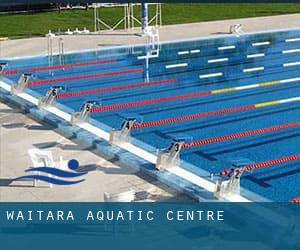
[(232, 99)]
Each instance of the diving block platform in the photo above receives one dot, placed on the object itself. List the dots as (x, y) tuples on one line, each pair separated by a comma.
[(123, 134), (50, 97), (22, 84), (170, 157), (84, 113)]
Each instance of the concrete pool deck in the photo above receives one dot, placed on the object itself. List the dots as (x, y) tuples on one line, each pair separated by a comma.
[(108, 177), (19, 133), (38, 45)]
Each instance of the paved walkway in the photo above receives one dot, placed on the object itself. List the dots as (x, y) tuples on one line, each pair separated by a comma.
[(35, 46)]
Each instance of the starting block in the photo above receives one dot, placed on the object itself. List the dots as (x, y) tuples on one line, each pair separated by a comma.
[(3, 65), (122, 135), (231, 185), (170, 157), (84, 113), (22, 84), (50, 97)]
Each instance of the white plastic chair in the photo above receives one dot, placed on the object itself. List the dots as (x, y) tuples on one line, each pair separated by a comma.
[(40, 158)]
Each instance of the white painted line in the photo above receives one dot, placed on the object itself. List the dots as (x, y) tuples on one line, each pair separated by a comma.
[(261, 43), (247, 87), (291, 64), (290, 51), (147, 56), (211, 75), (183, 52), (256, 55), (179, 65), (195, 51), (226, 47), (253, 69), (218, 60), (290, 100), (290, 80), (292, 40)]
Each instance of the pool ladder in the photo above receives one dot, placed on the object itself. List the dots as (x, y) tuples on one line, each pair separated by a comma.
[(50, 53), (61, 53), (153, 48)]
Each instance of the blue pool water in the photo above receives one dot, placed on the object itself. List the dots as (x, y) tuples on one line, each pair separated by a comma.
[(237, 61)]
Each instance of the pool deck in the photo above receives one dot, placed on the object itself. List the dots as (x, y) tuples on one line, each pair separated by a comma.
[(18, 133), (38, 45), (106, 176)]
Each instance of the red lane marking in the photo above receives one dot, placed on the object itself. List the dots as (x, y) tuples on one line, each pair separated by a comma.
[(110, 89), (148, 102), (296, 200), (65, 66), (71, 78), (272, 162), (240, 134), (191, 117)]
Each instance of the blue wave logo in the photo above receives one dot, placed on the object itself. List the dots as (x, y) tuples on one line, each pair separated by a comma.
[(62, 174)]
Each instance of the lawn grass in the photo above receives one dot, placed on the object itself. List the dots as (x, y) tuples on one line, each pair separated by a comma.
[(38, 24)]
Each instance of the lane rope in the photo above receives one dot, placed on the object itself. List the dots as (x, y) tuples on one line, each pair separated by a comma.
[(188, 96), (240, 135), (269, 163), (111, 89), (296, 200), (160, 122), (65, 66), (80, 77)]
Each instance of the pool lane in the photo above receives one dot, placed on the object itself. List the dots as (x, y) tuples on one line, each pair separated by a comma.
[(188, 106), (239, 53), (185, 86)]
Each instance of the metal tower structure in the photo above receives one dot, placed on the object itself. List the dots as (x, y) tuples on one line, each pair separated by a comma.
[(129, 20)]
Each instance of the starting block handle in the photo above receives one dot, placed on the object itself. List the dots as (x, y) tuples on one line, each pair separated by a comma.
[(169, 157), (50, 97), (84, 113), (22, 83), (122, 135), (3, 65)]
